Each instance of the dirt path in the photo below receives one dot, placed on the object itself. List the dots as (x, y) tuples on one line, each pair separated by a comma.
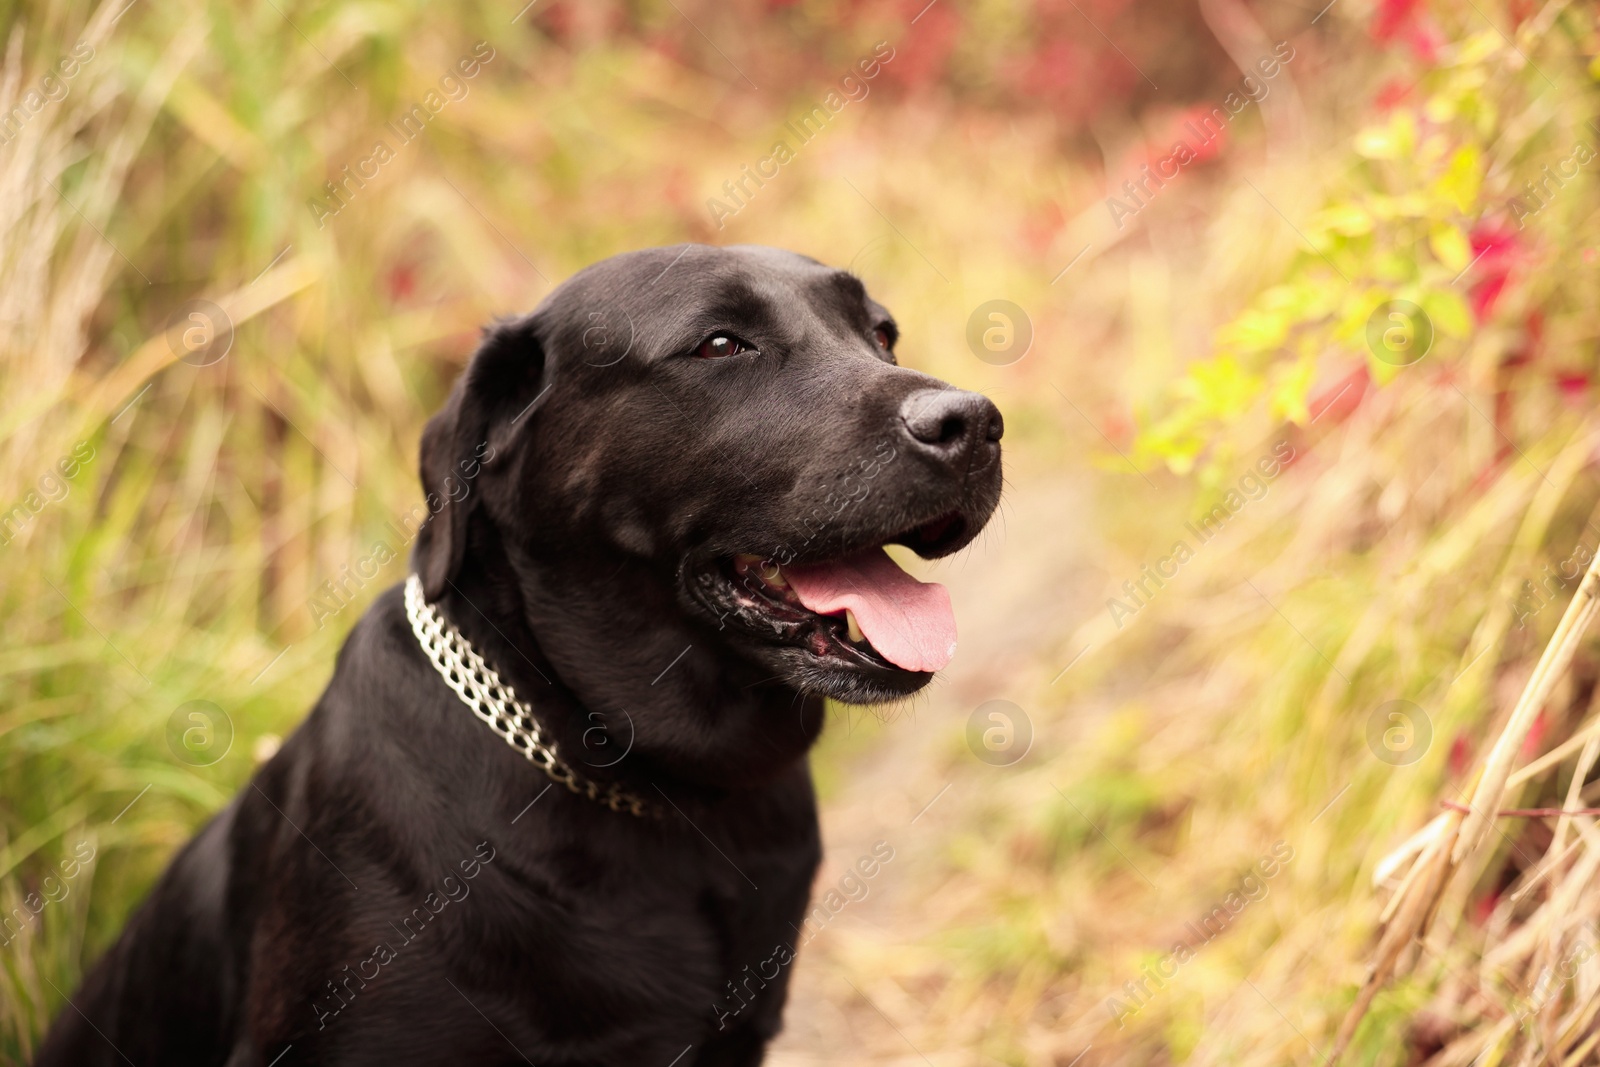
[(1018, 592)]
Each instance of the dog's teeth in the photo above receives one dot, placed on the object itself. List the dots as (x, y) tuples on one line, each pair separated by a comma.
[(851, 627), (746, 560), (772, 574)]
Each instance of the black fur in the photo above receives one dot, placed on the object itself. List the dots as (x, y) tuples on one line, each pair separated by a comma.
[(593, 475)]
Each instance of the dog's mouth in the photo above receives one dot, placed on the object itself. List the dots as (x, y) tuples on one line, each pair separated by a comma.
[(862, 628)]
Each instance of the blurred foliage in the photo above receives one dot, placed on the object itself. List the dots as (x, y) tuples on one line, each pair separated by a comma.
[(1409, 218), (1391, 163)]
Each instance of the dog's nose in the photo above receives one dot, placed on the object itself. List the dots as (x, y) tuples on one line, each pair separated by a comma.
[(951, 425)]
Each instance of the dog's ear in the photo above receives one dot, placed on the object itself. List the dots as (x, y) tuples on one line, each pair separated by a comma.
[(490, 403)]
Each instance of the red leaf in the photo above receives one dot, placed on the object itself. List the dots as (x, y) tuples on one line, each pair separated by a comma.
[(1392, 18), (1338, 400), (1392, 92), (1574, 387), (402, 282), (1496, 250), (1408, 21)]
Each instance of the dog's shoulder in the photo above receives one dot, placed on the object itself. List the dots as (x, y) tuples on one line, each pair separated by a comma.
[(382, 684), (383, 631), (381, 654)]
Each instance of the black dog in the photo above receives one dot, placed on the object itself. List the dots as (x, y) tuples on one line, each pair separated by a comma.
[(661, 504)]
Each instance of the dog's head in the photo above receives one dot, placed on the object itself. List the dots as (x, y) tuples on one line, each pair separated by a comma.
[(734, 420)]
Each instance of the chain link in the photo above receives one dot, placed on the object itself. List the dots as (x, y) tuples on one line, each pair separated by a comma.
[(480, 688)]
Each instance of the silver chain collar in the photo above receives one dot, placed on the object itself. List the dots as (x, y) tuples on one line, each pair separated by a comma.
[(480, 688)]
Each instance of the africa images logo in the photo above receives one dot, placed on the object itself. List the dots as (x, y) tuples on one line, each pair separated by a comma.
[(407, 127), (852, 86), (1212, 124)]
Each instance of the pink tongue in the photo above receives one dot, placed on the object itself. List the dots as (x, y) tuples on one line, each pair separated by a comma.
[(909, 622)]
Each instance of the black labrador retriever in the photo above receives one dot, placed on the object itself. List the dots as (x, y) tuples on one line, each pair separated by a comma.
[(661, 501)]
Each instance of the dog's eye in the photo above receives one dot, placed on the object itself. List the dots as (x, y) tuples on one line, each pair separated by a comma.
[(883, 337), (722, 345)]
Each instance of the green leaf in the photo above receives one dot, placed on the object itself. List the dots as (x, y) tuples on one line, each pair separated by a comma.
[(1290, 391), (1392, 141), (1440, 108), (1448, 311), (1223, 387), (1450, 246), (1346, 219), (1256, 330), (1461, 180)]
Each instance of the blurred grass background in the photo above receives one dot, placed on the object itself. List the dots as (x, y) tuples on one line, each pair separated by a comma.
[(180, 161)]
